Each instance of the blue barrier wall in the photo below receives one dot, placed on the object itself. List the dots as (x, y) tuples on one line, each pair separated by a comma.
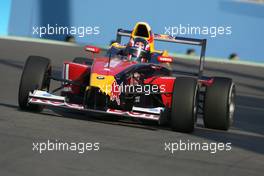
[(5, 6), (246, 20)]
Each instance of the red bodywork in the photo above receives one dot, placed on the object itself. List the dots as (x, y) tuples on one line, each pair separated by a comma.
[(75, 72), (101, 67), (167, 84)]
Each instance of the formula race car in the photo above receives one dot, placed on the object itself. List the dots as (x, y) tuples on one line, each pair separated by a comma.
[(132, 81)]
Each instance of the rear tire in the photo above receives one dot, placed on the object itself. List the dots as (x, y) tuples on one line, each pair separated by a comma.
[(35, 75), (184, 104), (219, 104), (83, 60)]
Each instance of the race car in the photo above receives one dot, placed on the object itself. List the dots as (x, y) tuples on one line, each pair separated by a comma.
[(132, 82)]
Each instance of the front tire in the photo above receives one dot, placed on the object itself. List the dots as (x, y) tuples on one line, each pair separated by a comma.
[(219, 104), (184, 104), (35, 75)]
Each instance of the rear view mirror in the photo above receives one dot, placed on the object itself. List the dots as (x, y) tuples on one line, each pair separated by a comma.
[(165, 59), (92, 49)]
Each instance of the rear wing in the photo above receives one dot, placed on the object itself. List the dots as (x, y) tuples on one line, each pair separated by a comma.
[(168, 38)]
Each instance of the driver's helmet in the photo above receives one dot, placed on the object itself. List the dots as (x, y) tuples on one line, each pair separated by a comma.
[(138, 50)]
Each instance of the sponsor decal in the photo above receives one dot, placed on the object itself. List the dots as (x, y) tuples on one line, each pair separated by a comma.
[(115, 93), (46, 95), (100, 77), (134, 114), (55, 103)]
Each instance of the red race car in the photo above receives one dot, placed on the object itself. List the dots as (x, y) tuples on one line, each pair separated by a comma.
[(135, 81)]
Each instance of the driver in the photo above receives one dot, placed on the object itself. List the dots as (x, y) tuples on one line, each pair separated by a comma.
[(138, 50)]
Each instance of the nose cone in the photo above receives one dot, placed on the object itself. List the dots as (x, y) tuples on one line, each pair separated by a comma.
[(103, 76)]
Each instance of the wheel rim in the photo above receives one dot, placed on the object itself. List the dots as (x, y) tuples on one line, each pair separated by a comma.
[(231, 103), (195, 104)]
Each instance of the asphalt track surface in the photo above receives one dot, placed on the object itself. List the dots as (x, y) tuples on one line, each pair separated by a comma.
[(125, 148)]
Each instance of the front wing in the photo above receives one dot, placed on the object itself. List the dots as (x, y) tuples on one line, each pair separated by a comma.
[(44, 98)]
